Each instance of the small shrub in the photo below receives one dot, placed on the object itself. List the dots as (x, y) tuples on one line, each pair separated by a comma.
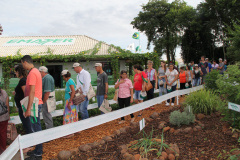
[(178, 118), (175, 117), (210, 82), (203, 101)]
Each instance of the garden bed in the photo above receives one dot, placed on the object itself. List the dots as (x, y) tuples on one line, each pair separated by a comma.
[(210, 141)]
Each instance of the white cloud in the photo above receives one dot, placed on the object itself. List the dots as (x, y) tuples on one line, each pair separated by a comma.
[(107, 20)]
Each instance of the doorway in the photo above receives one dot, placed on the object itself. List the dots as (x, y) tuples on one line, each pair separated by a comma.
[(55, 72)]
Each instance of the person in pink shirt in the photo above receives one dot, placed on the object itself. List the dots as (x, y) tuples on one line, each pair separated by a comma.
[(33, 89), (125, 93)]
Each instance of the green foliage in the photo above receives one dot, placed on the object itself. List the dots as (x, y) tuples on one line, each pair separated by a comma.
[(178, 118), (211, 77), (233, 50), (162, 23), (228, 86), (204, 101), (147, 144)]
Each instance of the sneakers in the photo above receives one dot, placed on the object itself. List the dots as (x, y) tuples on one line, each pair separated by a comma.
[(167, 104), (33, 156), (172, 104)]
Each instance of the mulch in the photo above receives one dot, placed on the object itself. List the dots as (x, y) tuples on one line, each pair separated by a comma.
[(52, 148), (208, 144)]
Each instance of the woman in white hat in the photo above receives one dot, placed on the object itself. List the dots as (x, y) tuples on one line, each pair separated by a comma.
[(70, 113)]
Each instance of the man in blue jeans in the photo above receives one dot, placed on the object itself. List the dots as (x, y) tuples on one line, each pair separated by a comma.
[(102, 84), (33, 89), (83, 81)]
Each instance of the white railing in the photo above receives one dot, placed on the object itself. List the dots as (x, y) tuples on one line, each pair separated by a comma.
[(33, 139)]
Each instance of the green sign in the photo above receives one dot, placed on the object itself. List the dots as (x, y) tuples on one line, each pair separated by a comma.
[(234, 107), (40, 42)]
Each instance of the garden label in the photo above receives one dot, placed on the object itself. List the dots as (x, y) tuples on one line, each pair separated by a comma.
[(40, 42), (234, 106), (142, 124)]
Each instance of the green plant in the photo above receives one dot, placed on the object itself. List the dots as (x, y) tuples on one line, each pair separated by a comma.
[(148, 144), (204, 101), (210, 82), (228, 86), (186, 117)]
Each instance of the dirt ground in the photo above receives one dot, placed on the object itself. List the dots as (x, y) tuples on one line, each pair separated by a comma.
[(52, 148)]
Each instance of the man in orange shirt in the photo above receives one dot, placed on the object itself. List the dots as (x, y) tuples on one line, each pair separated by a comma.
[(33, 89)]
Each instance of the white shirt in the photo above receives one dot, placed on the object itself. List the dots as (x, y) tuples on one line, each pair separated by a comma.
[(83, 81), (171, 76)]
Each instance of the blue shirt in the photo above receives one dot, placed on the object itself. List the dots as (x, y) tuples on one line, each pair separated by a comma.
[(225, 67), (209, 66), (68, 89)]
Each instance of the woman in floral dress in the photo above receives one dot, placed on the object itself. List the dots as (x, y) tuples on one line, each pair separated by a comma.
[(70, 113)]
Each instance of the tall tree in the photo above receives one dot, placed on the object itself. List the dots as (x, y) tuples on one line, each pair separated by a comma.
[(164, 24)]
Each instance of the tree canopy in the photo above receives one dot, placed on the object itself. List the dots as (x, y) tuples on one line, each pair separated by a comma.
[(200, 31)]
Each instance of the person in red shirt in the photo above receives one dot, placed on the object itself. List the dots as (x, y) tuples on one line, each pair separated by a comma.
[(33, 89), (139, 84), (183, 77)]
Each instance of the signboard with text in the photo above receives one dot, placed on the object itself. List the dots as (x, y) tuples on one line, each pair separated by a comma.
[(234, 106), (40, 42)]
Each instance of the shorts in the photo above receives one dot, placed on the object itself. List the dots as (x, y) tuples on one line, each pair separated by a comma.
[(137, 95)]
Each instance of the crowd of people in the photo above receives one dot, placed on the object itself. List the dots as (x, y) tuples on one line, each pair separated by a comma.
[(38, 83)]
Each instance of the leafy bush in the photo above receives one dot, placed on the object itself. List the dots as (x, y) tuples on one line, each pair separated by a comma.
[(230, 89), (210, 82), (228, 85), (178, 118), (204, 101)]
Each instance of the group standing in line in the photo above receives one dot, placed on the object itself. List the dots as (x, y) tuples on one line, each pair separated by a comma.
[(37, 83)]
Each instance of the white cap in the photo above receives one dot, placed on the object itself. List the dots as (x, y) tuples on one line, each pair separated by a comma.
[(220, 59), (76, 65), (43, 69), (98, 64), (196, 65), (64, 72)]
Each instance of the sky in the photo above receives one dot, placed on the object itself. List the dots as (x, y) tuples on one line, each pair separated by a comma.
[(104, 20)]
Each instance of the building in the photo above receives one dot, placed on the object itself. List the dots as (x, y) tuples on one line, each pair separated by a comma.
[(65, 49)]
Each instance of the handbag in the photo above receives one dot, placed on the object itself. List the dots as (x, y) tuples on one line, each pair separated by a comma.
[(51, 102), (11, 132), (143, 95), (105, 108), (91, 92), (161, 83), (169, 88), (3, 108), (115, 98), (148, 84), (34, 107), (78, 97)]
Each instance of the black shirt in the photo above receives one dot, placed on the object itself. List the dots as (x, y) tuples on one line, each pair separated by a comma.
[(19, 92)]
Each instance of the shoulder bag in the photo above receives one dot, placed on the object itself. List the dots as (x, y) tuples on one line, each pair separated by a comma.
[(148, 84), (34, 107), (78, 97), (91, 93), (3, 108)]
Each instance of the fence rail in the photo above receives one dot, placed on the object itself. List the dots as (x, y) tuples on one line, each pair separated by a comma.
[(50, 134)]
